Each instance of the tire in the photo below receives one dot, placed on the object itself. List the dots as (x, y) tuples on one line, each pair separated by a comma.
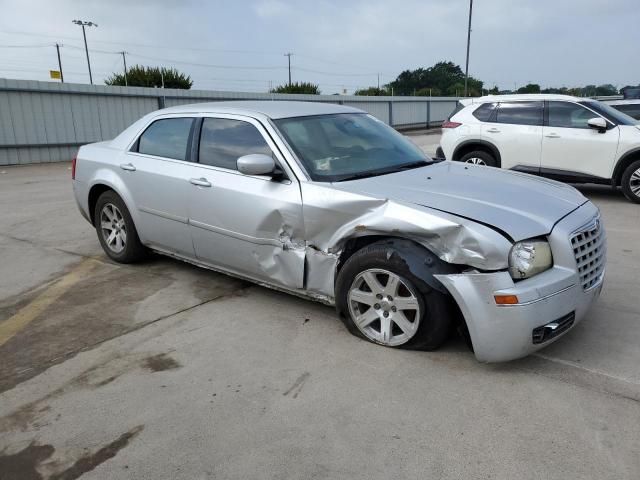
[(125, 247), (426, 327), (631, 182), (479, 157)]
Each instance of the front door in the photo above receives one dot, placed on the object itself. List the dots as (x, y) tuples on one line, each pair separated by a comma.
[(570, 146), (250, 225)]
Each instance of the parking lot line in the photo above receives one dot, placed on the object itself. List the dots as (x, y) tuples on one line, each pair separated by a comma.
[(33, 309)]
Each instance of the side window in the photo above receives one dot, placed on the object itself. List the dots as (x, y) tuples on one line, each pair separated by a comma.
[(520, 113), (633, 110), (168, 138), (569, 115), (223, 141), (484, 111)]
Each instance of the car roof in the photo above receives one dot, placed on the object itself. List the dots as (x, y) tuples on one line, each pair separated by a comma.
[(269, 108), (520, 97)]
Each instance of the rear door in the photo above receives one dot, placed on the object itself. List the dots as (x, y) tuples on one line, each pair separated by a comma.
[(570, 146), (154, 171), (516, 130), (250, 225)]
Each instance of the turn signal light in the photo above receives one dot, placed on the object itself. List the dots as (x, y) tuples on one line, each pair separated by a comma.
[(506, 299)]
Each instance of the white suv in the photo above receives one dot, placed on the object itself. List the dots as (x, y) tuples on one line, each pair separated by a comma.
[(566, 138)]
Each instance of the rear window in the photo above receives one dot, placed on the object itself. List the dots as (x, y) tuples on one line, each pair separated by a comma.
[(167, 138), (459, 106), (484, 111), (520, 113)]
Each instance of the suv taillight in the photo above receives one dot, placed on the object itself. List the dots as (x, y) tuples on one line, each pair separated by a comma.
[(449, 124), (73, 168)]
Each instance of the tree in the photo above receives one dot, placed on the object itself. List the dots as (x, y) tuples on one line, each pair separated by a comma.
[(530, 88), (298, 87), (141, 76), (371, 92), (493, 91), (444, 76)]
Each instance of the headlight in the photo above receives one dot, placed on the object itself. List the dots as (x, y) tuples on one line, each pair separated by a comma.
[(529, 258)]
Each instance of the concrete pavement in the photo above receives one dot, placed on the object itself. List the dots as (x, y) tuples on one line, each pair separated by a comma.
[(164, 370)]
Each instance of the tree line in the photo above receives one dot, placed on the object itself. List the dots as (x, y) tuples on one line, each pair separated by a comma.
[(444, 79)]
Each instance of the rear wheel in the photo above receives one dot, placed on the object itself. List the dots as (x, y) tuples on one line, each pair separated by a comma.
[(116, 232), (380, 300), (479, 157), (631, 182)]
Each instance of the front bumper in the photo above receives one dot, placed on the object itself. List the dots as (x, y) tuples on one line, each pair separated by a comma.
[(506, 332)]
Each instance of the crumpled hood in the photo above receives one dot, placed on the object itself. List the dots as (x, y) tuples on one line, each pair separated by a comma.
[(520, 205)]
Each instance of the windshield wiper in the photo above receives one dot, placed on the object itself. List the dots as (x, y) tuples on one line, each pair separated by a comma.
[(394, 169)]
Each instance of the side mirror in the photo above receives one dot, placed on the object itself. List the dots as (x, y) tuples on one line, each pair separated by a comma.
[(598, 123), (256, 164)]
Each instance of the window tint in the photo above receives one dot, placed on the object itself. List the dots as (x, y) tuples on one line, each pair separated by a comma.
[(223, 141), (484, 111), (166, 138), (569, 115), (520, 113), (631, 110)]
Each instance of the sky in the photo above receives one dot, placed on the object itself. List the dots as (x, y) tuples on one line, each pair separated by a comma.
[(240, 45)]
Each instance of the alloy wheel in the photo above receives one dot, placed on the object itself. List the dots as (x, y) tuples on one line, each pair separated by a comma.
[(114, 230), (476, 161), (634, 183), (384, 307)]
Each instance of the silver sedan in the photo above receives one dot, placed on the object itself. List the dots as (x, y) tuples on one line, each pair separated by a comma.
[(328, 202)]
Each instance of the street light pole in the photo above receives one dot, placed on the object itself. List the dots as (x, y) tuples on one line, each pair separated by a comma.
[(83, 24), (466, 72)]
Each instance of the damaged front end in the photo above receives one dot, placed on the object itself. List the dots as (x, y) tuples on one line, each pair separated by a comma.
[(334, 218)]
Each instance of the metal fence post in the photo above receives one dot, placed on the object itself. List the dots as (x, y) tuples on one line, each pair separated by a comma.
[(160, 102), (428, 113), (391, 113)]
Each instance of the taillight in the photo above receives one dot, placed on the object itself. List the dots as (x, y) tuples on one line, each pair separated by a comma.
[(448, 124), (73, 168)]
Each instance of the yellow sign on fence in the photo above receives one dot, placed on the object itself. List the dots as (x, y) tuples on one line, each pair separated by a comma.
[(55, 74)]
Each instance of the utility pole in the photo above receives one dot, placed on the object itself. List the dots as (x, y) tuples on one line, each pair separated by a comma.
[(289, 56), (124, 60), (466, 72), (83, 24), (378, 81), (59, 63)]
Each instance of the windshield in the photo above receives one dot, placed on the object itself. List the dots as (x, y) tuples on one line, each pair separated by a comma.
[(610, 113), (348, 146)]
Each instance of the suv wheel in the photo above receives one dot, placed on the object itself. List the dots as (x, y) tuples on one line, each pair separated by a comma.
[(380, 300), (479, 157), (631, 182)]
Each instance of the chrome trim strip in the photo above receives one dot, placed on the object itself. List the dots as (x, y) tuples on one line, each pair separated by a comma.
[(530, 302), (166, 215), (240, 236)]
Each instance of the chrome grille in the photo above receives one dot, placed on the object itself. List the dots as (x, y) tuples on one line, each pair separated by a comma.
[(589, 247)]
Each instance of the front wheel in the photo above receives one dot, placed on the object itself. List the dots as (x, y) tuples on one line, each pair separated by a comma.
[(380, 300), (631, 182)]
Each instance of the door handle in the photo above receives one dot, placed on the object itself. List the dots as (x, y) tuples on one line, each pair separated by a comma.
[(493, 130), (552, 135), (200, 182), (128, 166)]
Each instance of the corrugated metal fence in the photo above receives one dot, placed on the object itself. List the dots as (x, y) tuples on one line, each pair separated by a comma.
[(46, 122)]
